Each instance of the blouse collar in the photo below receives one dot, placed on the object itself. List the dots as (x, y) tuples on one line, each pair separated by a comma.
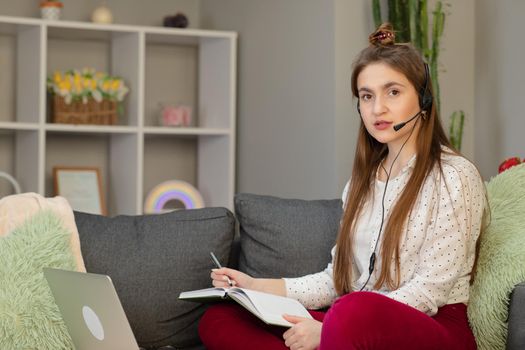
[(405, 170)]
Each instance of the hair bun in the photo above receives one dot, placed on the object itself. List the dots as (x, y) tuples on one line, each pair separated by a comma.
[(384, 35)]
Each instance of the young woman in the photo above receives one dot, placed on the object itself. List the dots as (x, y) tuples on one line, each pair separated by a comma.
[(399, 277)]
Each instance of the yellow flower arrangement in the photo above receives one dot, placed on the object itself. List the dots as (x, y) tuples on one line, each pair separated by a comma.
[(76, 85)]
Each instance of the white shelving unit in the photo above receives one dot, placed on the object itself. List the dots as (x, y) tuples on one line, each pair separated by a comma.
[(160, 65)]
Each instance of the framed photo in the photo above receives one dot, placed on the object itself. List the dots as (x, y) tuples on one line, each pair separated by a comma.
[(82, 187)]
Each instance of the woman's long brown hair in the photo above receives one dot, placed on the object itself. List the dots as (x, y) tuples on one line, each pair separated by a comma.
[(406, 59)]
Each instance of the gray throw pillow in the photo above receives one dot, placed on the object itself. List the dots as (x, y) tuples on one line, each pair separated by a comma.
[(285, 237), (151, 259)]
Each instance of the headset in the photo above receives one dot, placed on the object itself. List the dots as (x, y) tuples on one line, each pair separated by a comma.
[(425, 105)]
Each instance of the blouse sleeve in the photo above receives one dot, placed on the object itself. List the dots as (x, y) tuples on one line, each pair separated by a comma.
[(314, 291), (447, 253)]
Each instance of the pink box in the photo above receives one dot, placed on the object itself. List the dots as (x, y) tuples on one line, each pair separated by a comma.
[(175, 116)]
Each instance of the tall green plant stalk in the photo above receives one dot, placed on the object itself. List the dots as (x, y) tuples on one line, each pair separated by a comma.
[(410, 20), (457, 121), (376, 11), (437, 32)]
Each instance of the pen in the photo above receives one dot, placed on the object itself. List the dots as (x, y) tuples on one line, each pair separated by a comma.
[(218, 264)]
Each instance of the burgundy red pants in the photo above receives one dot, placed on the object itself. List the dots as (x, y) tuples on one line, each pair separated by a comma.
[(360, 320)]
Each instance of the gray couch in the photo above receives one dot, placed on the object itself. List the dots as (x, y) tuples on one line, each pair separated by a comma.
[(516, 335), (153, 258)]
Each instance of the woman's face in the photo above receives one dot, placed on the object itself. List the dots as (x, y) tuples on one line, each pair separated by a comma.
[(386, 98)]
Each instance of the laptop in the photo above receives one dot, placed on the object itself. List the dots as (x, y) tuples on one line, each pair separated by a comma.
[(91, 310)]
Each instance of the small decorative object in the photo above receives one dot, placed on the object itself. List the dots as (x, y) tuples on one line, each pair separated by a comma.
[(102, 14), (179, 20), (172, 190), (82, 187), (175, 116), (12, 181), (86, 97), (50, 10), (509, 163)]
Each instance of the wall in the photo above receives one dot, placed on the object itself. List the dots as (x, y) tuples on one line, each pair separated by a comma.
[(303, 50), (286, 88), (500, 78), (457, 56), (296, 117), (353, 22)]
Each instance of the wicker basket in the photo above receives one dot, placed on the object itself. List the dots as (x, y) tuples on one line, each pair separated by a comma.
[(77, 112)]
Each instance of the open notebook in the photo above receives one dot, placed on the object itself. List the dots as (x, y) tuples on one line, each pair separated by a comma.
[(268, 307)]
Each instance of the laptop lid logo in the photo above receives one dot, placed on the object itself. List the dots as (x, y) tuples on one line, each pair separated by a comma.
[(93, 322)]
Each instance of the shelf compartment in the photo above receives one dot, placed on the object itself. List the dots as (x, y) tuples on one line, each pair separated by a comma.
[(205, 161), (7, 160), (115, 52), (21, 72), (21, 159), (169, 158), (200, 76), (114, 154), (171, 73), (8, 74)]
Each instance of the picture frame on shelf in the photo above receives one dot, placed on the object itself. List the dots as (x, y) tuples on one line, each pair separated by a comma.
[(82, 187)]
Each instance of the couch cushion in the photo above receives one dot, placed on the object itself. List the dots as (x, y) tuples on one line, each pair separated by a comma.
[(516, 333), (29, 317), (501, 260), (151, 259), (285, 237), (18, 208)]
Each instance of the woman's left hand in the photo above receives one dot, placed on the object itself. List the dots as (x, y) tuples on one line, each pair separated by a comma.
[(305, 333)]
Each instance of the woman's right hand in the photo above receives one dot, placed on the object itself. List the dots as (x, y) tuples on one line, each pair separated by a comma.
[(239, 279)]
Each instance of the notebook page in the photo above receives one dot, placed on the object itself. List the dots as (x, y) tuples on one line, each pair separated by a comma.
[(272, 307)]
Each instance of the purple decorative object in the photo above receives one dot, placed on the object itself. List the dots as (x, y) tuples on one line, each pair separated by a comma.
[(172, 190), (178, 21), (166, 197)]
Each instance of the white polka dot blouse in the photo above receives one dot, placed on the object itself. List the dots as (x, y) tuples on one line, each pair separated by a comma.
[(438, 248)]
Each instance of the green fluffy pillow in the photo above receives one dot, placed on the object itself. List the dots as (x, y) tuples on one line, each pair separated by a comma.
[(29, 317), (501, 263)]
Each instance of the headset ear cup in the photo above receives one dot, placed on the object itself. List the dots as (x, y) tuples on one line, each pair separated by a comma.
[(425, 96), (426, 102)]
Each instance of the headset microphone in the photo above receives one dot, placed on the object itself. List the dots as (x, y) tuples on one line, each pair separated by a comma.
[(397, 127)]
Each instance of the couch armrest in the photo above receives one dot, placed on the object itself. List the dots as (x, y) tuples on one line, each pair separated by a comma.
[(516, 335)]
